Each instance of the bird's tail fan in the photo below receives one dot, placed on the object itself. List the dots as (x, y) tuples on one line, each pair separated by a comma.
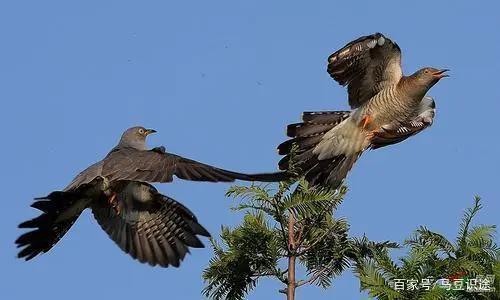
[(60, 211), (309, 133), (305, 137), (332, 172)]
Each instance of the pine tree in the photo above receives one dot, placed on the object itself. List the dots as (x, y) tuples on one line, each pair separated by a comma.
[(282, 228), (443, 263)]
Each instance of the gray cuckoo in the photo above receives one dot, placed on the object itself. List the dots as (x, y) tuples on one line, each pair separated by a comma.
[(387, 108), (149, 226)]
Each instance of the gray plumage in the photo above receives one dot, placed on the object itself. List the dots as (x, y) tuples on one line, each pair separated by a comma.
[(130, 160), (387, 108), (147, 225), (150, 227)]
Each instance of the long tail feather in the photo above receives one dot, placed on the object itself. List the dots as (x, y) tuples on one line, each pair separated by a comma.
[(60, 211), (305, 137)]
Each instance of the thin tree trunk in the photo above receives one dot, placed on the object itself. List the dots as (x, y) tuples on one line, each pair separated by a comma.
[(290, 294)]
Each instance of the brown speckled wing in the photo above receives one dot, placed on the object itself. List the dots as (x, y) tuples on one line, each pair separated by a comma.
[(366, 66)]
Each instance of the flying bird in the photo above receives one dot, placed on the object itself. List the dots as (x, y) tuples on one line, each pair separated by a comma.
[(387, 108), (149, 226)]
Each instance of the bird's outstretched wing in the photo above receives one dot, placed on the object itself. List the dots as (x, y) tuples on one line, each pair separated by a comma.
[(396, 132), (366, 66), (156, 230), (156, 165), (85, 177)]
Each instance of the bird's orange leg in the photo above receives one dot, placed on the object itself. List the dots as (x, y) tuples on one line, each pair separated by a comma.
[(367, 119), (112, 201), (365, 123)]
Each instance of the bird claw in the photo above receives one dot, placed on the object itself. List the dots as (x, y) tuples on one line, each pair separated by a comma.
[(371, 134)]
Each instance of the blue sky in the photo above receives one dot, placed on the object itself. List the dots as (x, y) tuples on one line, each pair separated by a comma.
[(220, 80)]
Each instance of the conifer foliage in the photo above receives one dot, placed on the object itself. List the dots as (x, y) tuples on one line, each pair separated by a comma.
[(448, 268), (294, 224)]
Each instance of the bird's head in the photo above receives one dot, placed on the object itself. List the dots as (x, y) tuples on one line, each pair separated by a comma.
[(135, 137), (430, 76)]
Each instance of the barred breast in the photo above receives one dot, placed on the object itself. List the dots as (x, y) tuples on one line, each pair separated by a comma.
[(389, 105)]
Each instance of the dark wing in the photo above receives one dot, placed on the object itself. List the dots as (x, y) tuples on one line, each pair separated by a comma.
[(86, 176), (397, 132), (366, 65), (156, 230), (158, 166)]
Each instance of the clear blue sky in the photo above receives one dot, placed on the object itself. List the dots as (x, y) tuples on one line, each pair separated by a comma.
[(220, 80)]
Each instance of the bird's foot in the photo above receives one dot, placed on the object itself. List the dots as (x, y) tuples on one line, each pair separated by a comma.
[(373, 133), (365, 121), (370, 134), (114, 203)]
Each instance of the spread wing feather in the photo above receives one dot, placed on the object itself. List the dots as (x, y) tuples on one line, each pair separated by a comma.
[(366, 66), (157, 232), (156, 165), (152, 165)]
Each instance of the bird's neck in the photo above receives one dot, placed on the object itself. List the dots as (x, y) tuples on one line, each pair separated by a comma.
[(139, 145), (411, 87)]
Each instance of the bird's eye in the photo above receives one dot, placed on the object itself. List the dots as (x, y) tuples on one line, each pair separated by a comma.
[(141, 131), (426, 71)]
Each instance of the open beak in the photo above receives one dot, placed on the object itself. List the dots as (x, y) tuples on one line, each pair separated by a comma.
[(441, 73), (150, 131)]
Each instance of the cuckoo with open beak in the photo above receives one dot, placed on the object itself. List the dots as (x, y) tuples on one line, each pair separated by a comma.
[(387, 108)]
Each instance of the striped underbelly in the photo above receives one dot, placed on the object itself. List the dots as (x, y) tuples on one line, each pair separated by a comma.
[(387, 106)]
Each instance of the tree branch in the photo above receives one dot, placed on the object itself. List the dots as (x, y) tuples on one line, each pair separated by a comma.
[(304, 249), (312, 278), (290, 292)]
